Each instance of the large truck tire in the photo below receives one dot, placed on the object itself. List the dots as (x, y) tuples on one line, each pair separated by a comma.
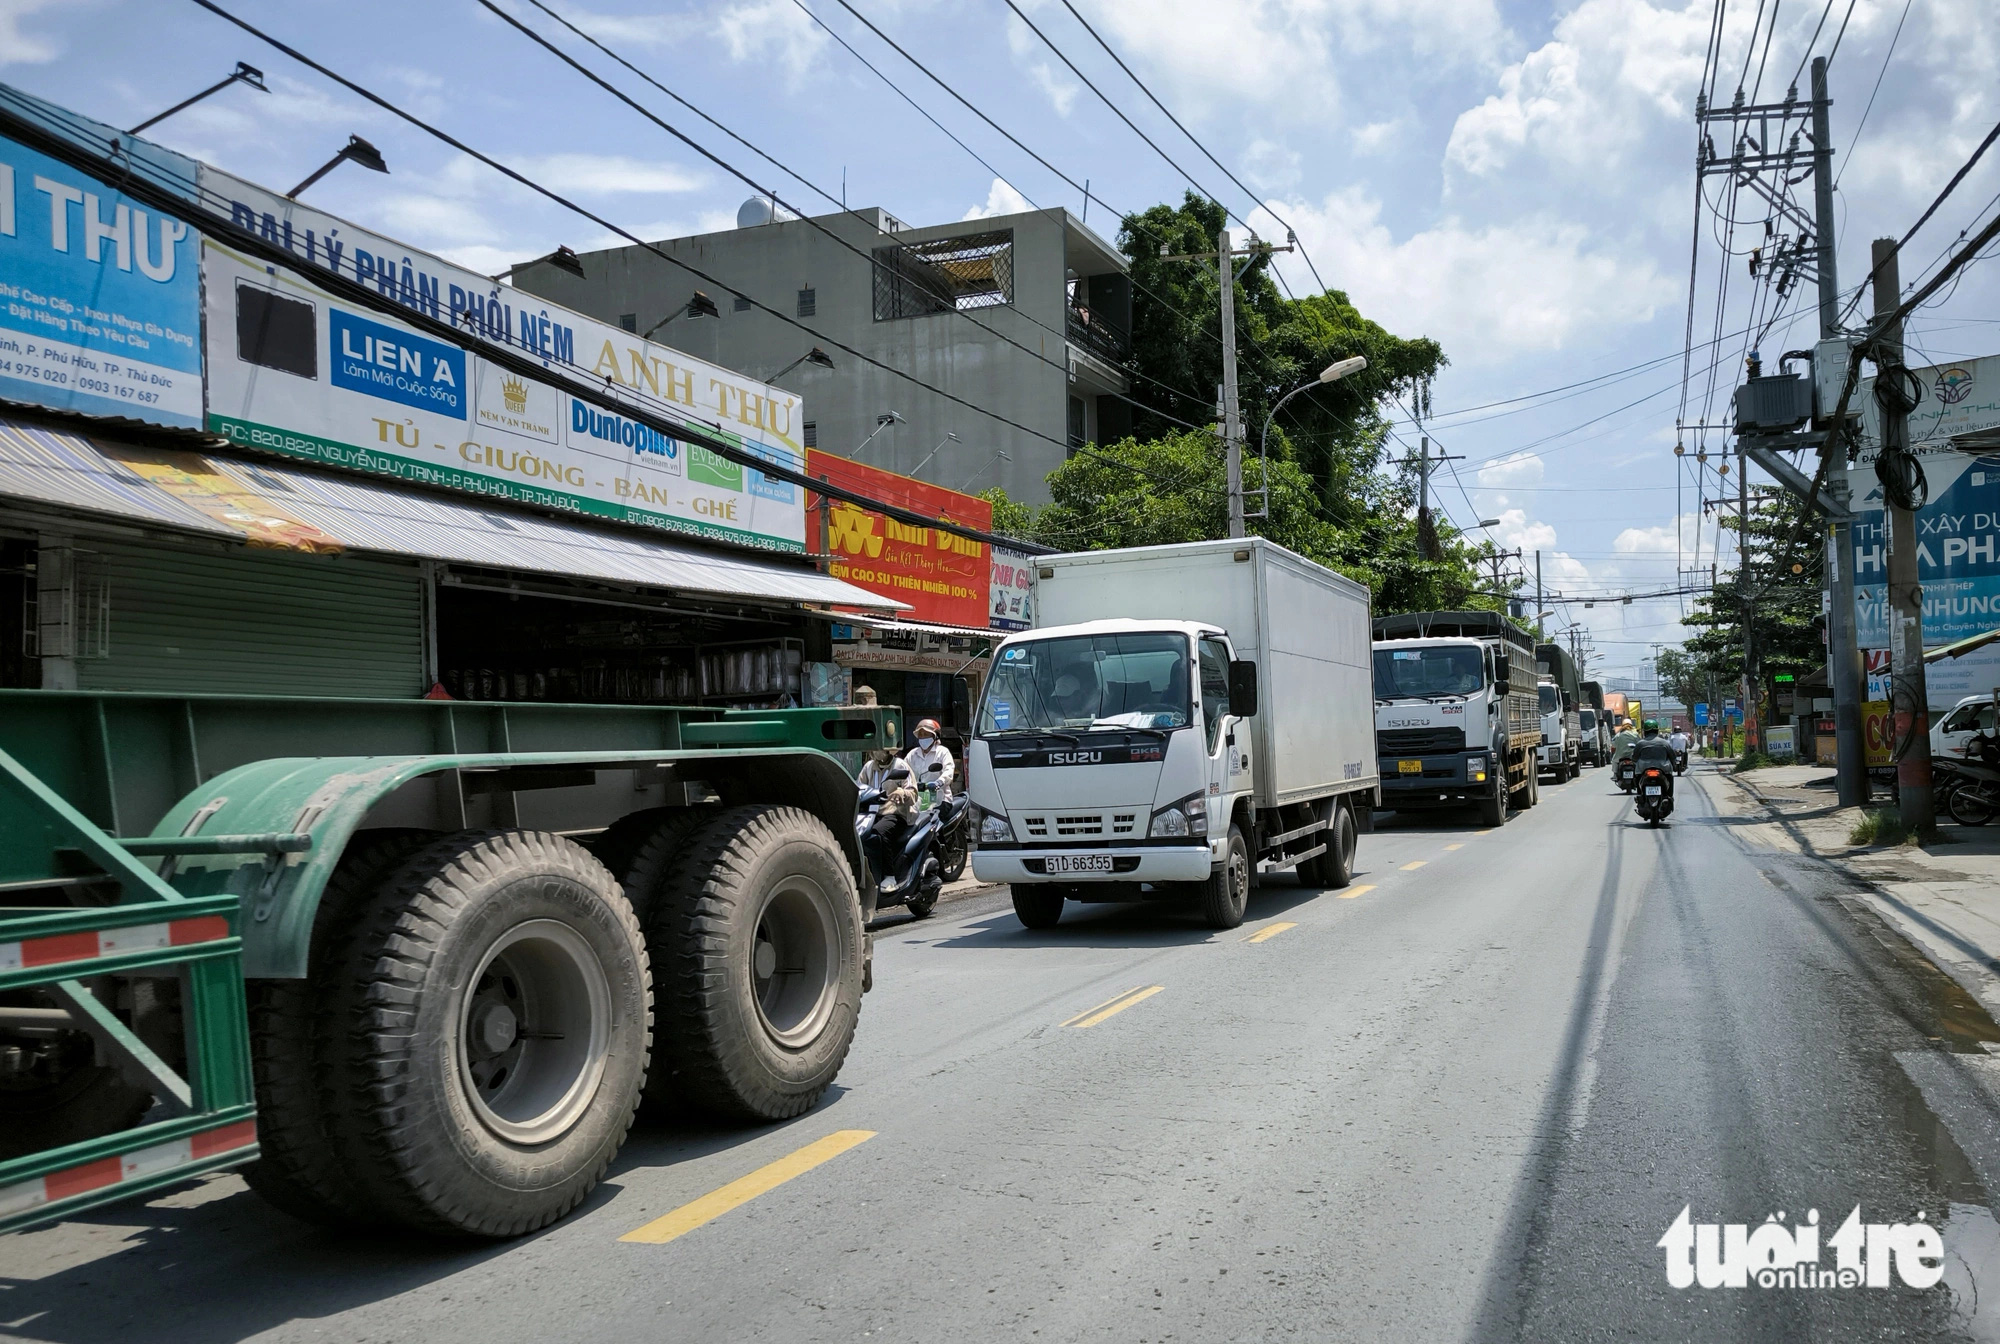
[(1037, 906), (488, 1034), (1534, 789), (1493, 807), (1333, 866), (757, 947), (1226, 894), (297, 1168)]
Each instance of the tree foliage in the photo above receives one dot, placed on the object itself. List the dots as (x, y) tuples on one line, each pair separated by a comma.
[(1781, 598)]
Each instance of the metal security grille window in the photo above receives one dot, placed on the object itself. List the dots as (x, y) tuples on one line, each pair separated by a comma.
[(740, 304), (811, 438), (808, 302), (629, 321), (943, 275)]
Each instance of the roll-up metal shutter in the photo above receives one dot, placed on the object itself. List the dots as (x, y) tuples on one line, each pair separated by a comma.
[(255, 622)]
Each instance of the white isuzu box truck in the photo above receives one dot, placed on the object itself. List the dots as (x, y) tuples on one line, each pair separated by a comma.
[(1182, 718)]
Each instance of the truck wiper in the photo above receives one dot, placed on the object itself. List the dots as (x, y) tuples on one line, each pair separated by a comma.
[(1039, 732), (1160, 733)]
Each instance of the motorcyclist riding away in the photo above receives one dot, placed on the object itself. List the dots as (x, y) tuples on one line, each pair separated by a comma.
[(928, 752), (1624, 742), (1653, 749)]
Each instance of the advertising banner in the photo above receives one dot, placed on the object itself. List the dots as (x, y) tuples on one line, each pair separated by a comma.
[(946, 579), (296, 371), (1013, 590), (1878, 734), (1953, 433), (100, 299)]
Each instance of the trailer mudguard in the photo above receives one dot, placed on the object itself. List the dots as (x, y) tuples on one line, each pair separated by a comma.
[(329, 798)]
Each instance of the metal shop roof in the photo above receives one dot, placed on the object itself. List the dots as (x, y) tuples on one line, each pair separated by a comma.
[(271, 505)]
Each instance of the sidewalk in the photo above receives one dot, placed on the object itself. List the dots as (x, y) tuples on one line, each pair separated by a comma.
[(1944, 897)]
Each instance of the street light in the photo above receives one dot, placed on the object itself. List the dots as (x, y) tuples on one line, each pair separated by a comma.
[(242, 74), (562, 259), (882, 422), (816, 357), (949, 438), (357, 150), (1332, 373), (698, 306), (999, 455), (1489, 522)]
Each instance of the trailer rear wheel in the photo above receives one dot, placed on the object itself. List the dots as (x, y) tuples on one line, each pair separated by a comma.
[(1226, 894), (1037, 906), (297, 1168), (491, 1025), (756, 934), (1493, 807), (1334, 867)]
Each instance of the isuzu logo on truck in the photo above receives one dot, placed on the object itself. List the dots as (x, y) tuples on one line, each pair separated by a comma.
[(1076, 758)]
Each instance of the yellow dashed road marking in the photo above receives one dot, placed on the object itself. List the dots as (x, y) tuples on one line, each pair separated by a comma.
[(1352, 892), (1271, 932), (1116, 1006), (1414, 864), (741, 1191), (1457, 846)]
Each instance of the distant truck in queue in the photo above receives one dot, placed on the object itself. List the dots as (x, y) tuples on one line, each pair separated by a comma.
[(1560, 692), (1596, 724), (1457, 712), (1183, 719)]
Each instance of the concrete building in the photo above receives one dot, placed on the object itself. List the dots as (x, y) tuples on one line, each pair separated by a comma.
[(902, 296)]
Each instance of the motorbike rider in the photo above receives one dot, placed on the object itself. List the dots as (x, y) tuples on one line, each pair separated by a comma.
[(928, 752), (892, 820), (875, 770), (1652, 749)]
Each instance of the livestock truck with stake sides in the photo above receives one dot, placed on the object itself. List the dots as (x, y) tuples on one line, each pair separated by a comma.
[(1182, 719), (1457, 712)]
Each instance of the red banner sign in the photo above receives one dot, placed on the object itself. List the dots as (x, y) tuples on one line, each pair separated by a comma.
[(944, 578)]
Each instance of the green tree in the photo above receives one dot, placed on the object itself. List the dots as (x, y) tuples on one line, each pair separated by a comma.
[(1152, 492), (1781, 597), (1337, 432)]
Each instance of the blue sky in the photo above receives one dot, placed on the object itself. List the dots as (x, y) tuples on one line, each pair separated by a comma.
[(1513, 179)]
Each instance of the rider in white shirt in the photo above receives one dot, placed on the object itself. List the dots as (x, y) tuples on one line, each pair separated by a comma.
[(928, 752), (1679, 740)]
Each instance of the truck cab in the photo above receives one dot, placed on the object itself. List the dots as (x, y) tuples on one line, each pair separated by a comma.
[(1108, 752)]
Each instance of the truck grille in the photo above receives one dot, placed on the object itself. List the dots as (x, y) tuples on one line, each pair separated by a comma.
[(1081, 825), (1419, 741)]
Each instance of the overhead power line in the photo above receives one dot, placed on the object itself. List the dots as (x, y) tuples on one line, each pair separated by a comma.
[(1191, 136), (583, 212), (1924, 218)]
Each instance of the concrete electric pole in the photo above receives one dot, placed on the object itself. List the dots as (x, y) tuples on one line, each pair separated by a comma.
[(1232, 418), (1538, 595), (1843, 650), (1909, 695)]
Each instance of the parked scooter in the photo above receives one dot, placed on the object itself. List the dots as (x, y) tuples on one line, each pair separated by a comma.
[(925, 852), (1656, 794), (1969, 789)]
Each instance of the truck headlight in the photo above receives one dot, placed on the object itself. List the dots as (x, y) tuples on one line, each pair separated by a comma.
[(992, 828), (1187, 818), (1475, 767)]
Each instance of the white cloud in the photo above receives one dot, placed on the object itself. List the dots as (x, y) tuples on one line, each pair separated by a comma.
[(1379, 136), (1489, 291), (1666, 539), (610, 174), (1027, 48), (644, 30), (1270, 166), (1001, 200), (777, 29), (1516, 531), (17, 47), (1515, 469)]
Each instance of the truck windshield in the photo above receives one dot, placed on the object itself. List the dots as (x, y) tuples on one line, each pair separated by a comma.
[(1416, 673), (1088, 681), (1551, 699), (1587, 720)]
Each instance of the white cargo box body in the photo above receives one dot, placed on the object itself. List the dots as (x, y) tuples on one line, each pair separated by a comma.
[(1307, 628)]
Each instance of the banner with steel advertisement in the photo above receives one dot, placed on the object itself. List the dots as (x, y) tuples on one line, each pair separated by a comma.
[(100, 298), (946, 579), (297, 371), (1955, 435)]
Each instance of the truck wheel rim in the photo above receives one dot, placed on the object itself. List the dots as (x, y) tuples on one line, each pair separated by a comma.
[(794, 961), (1239, 875), (534, 1032)]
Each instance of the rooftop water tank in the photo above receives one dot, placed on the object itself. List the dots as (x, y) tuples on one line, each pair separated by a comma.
[(761, 210)]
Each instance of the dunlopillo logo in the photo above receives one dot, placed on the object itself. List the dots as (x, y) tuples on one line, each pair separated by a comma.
[(586, 421)]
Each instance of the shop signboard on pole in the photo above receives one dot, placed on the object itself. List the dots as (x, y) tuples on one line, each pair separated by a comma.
[(946, 579), (295, 370), (100, 296), (1955, 437)]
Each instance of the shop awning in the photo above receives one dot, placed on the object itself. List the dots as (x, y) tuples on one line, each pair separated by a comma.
[(1961, 647), (285, 507), (883, 625)]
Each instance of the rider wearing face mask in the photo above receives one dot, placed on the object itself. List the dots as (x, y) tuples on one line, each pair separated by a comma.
[(928, 752)]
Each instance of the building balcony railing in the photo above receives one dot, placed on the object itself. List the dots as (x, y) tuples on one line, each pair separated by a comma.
[(1096, 335)]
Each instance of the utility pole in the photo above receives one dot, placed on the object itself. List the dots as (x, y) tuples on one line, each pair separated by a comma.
[(1232, 419), (1427, 529), (1909, 696), (1749, 692), (1843, 650), (1538, 595)]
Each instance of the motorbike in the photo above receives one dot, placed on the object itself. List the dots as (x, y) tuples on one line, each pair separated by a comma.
[(1656, 794), (930, 852), (1622, 775), (1680, 762), (1969, 789)]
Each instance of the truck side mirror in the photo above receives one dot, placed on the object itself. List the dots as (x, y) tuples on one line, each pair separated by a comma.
[(1501, 675), (1243, 688)]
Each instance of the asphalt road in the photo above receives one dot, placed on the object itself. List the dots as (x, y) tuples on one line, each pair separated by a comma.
[(1463, 1099)]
